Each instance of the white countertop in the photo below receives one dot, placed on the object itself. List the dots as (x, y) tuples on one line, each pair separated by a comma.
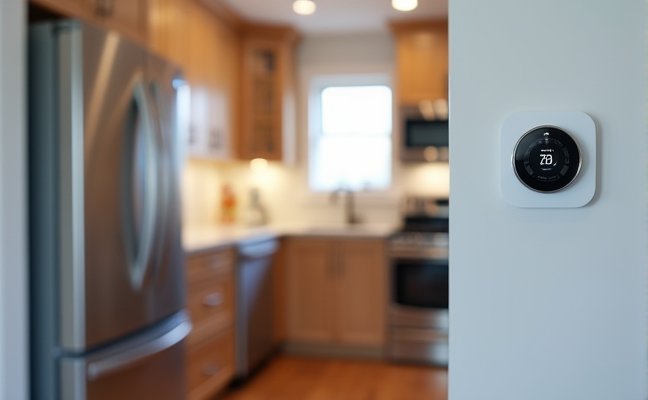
[(206, 238)]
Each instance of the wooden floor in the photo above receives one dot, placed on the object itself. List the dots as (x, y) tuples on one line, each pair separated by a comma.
[(300, 378)]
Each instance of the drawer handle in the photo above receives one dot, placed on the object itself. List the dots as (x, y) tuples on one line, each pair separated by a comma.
[(213, 300), (211, 370)]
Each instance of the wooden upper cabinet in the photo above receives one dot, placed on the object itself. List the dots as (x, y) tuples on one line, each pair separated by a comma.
[(268, 93), (169, 29), (422, 60), (206, 45), (128, 17)]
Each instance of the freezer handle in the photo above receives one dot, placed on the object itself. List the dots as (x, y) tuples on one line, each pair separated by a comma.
[(128, 358)]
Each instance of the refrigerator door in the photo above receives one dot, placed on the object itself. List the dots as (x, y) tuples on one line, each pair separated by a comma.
[(148, 366), (163, 82), (110, 188)]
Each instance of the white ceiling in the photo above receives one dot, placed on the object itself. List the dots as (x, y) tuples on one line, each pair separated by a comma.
[(336, 16)]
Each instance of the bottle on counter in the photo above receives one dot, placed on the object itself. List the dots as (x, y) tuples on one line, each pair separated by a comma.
[(228, 205), (255, 213)]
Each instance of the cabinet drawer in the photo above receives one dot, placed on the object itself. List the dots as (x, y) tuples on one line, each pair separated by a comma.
[(201, 267), (211, 301), (210, 365)]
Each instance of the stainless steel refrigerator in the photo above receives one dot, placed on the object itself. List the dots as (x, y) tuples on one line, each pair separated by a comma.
[(107, 282)]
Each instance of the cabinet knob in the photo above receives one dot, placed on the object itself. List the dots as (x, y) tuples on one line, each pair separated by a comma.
[(213, 300), (105, 8)]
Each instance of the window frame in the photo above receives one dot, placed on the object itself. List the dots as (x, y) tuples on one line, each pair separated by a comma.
[(316, 85)]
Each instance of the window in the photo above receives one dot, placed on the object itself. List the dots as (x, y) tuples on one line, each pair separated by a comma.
[(350, 143)]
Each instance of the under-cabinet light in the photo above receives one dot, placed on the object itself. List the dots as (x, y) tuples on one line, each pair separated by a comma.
[(259, 165)]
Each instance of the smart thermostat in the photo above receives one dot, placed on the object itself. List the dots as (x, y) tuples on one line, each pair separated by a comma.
[(548, 159)]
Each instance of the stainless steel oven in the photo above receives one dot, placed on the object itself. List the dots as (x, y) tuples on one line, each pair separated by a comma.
[(418, 305)]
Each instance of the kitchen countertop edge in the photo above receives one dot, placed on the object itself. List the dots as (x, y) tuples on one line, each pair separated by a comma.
[(205, 239)]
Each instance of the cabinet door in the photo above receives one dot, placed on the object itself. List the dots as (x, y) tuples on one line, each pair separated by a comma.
[(209, 124), (311, 295), (263, 99), (168, 30), (210, 68), (210, 365), (361, 292), (267, 93), (422, 60)]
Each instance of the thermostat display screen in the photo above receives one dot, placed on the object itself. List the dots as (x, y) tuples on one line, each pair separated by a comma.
[(546, 159)]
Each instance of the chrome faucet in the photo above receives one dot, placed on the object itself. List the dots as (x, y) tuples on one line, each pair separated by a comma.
[(351, 217)]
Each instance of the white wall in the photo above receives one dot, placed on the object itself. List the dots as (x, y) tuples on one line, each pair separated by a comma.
[(548, 304), (13, 264)]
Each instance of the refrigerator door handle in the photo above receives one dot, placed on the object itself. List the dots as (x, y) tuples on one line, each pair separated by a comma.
[(141, 172), (161, 167), (123, 360)]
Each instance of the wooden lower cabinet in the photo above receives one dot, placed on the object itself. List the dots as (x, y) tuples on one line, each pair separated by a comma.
[(362, 292), (337, 291), (210, 360), (210, 365), (311, 292)]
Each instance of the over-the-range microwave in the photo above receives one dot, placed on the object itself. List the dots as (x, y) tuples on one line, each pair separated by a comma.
[(424, 135)]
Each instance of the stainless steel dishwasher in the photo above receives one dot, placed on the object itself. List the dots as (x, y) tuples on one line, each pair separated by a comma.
[(254, 309)]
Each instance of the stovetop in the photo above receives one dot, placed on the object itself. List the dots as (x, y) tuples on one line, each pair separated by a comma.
[(427, 239), (419, 245), (425, 229)]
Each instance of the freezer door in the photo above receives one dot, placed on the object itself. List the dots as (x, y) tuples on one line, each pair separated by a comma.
[(149, 366), (109, 196), (163, 82)]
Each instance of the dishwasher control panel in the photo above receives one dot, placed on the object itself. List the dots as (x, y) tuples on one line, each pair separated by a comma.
[(548, 159)]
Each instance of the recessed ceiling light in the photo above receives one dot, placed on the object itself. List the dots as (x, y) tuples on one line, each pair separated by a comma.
[(304, 7), (404, 5)]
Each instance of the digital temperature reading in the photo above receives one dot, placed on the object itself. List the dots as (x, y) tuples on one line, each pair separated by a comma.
[(546, 159)]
